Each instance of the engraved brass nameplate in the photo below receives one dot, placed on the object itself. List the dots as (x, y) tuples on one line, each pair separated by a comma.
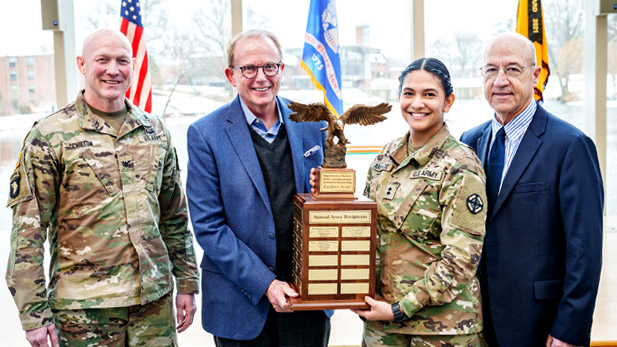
[(339, 217), (357, 231), (323, 246), (322, 260), (323, 275), (354, 274), (323, 232), (337, 181), (322, 288), (354, 288), (363, 246), (355, 259)]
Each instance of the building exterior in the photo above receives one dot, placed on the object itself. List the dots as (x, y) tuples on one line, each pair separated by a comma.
[(27, 84)]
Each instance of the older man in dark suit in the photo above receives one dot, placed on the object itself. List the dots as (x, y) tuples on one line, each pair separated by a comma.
[(542, 253)]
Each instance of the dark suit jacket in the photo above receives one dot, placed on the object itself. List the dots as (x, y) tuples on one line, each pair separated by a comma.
[(543, 244), (232, 218)]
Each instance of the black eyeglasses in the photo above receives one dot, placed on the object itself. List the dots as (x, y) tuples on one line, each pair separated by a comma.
[(250, 71)]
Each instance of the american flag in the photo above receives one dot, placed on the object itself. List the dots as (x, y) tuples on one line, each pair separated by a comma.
[(140, 92)]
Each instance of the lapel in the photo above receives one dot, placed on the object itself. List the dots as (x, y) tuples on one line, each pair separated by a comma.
[(524, 154), (294, 136), (238, 132), (482, 144)]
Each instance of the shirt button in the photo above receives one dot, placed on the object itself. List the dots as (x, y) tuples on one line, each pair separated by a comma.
[(271, 235)]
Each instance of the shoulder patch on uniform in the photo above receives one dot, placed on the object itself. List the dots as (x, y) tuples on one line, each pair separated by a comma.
[(475, 203), (469, 208), (19, 189)]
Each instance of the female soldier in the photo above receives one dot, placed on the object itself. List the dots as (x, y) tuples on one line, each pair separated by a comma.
[(430, 195)]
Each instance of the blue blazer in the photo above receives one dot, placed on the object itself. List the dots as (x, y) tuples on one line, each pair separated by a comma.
[(543, 244), (231, 215)]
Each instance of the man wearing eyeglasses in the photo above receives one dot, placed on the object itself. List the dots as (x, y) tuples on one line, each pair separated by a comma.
[(246, 161), (542, 254)]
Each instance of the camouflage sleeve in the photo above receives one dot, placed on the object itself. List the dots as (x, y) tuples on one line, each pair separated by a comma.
[(32, 196), (367, 187), (174, 226), (463, 216)]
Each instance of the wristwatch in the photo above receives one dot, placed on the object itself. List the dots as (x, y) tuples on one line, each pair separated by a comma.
[(399, 316)]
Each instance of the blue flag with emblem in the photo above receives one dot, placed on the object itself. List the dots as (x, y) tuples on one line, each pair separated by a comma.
[(320, 58)]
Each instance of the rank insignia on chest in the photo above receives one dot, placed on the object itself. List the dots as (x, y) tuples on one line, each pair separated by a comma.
[(391, 190), (475, 203)]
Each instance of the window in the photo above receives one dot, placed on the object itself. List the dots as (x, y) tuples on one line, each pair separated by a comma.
[(13, 75), (12, 62), (30, 75), (30, 61), (31, 89), (14, 89)]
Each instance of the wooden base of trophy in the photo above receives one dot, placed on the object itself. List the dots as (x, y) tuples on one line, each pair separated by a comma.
[(334, 246)]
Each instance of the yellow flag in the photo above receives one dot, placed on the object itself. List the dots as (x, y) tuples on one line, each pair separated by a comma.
[(530, 23)]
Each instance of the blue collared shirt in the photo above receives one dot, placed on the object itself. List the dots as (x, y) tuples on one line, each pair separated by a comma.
[(259, 126), (515, 130)]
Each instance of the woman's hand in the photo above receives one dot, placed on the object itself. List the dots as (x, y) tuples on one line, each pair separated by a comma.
[(380, 310), (312, 180)]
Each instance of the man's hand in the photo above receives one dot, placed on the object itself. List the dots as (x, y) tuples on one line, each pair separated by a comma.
[(38, 337), (553, 342), (380, 310), (278, 293), (185, 311), (312, 180)]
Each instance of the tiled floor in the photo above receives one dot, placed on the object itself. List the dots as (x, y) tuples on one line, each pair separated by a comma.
[(346, 327)]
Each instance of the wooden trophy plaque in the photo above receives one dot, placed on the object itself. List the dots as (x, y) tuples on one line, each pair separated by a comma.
[(334, 244)]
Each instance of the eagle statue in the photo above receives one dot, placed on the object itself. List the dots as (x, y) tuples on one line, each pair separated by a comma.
[(357, 114)]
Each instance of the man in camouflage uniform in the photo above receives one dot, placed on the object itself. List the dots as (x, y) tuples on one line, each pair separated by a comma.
[(431, 218), (100, 179)]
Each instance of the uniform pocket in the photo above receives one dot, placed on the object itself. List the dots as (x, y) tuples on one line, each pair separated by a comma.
[(149, 164), (405, 208), (103, 168)]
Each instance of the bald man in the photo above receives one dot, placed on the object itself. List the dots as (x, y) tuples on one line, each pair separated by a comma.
[(541, 262), (99, 179)]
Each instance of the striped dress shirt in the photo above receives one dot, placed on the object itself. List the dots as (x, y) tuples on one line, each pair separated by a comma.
[(515, 130)]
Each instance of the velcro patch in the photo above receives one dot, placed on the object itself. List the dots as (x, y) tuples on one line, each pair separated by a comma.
[(381, 166), (19, 189), (469, 209), (424, 173)]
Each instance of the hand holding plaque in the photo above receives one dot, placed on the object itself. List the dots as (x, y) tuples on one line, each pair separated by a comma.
[(334, 233)]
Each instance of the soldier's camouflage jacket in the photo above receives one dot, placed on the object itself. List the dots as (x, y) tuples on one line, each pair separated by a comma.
[(431, 214), (111, 204)]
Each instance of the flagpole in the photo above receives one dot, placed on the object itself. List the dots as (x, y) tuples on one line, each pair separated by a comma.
[(417, 29)]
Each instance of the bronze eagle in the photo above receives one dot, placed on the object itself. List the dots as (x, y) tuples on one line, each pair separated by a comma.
[(357, 114)]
